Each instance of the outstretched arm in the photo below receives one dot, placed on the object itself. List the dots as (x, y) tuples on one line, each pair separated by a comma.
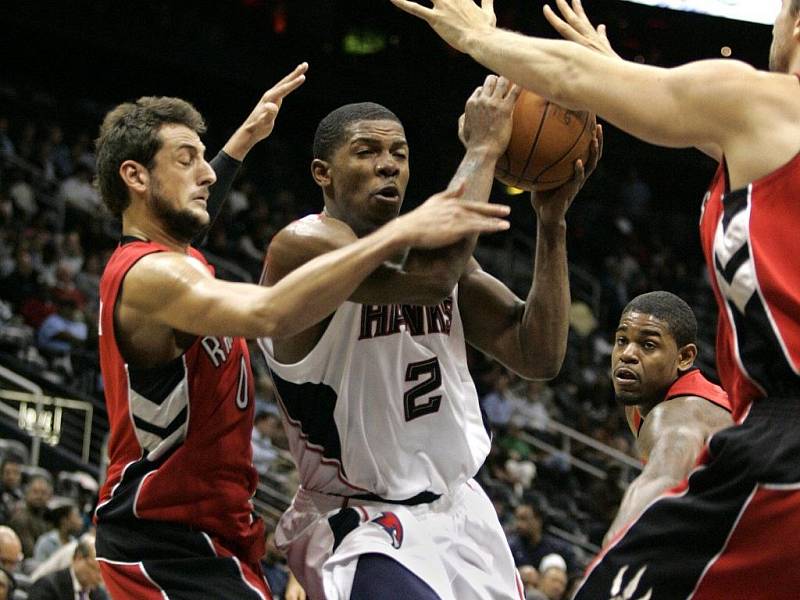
[(671, 438), (575, 26), (692, 105), (529, 337), (178, 292)]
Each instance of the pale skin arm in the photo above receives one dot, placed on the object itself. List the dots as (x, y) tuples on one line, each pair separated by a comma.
[(671, 438), (748, 113), (530, 337), (178, 292), (574, 25)]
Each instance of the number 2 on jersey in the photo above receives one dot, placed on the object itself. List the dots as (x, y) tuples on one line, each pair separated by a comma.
[(415, 372)]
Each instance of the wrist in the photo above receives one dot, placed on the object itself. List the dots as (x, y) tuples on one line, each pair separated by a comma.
[(484, 151), (240, 143)]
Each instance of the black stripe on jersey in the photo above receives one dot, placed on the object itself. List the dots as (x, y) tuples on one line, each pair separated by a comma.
[(180, 561), (741, 256), (120, 506), (733, 204), (162, 432), (312, 405), (760, 350), (158, 383), (342, 523)]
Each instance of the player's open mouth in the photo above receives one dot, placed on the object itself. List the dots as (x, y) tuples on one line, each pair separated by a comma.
[(625, 375), (388, 193)]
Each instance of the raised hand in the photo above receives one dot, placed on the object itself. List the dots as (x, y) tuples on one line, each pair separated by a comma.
[(454, 20), (487, 116), (552, 205), (260, 122), (444, 219), (576, 27)]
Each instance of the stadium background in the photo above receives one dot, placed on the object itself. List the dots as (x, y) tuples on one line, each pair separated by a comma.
[(632, 229)]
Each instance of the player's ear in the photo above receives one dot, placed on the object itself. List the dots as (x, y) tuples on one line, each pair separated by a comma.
[(686, 356), (134, 175), (321, 172)]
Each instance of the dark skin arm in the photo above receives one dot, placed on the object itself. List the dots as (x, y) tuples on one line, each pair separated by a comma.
[(671, 438), (529, 337)]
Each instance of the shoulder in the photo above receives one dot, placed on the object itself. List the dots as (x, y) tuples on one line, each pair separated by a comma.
[(302, 240), (160, 275)]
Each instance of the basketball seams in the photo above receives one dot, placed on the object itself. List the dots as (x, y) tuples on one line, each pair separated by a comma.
[(535, 143), (578, 138)]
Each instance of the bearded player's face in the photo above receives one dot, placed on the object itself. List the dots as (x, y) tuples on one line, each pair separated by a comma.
[(179, 183)]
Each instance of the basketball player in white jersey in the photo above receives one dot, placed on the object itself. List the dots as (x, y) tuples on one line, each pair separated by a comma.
[(381, 412)]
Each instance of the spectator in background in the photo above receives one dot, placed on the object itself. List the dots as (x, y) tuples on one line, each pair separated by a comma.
[(10, 550), (22, 283), (67, 522), (62, 331), (77, 191), (553, 577), (59, 152), (529, 544), (498, 404), (29, 519), (530, 582), (10, 487), (264, 453), (81, 580)]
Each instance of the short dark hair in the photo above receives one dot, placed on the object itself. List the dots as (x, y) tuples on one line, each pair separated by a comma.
[(667, 307), (131, 132), (83, 549), (331, 130)]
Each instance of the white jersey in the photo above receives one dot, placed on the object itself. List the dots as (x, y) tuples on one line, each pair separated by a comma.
[(384, 403)]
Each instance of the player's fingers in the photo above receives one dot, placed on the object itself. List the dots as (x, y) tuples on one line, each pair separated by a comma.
[(513, 93), (557, 23), (601, 30), (599, 134), (414, 9), (298, 70), (461, 134), (568, 14), (488, 7), (502, 86), (489, 84), (282, 90), (577, 8), (578, 171), (486, 208)]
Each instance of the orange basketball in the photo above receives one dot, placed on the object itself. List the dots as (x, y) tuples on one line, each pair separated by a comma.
[(546, 140)]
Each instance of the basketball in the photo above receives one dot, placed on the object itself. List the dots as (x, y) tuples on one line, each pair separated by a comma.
[(546, 140)]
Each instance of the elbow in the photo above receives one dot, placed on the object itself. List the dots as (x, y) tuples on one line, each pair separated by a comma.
[(539, 370)]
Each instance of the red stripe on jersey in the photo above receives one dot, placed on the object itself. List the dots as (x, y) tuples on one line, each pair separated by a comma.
[(205, 480)]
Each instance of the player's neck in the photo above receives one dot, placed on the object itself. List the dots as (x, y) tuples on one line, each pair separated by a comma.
[(152, 231)]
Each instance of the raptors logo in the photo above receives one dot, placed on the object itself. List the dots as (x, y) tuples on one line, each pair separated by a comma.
[(391, 525)]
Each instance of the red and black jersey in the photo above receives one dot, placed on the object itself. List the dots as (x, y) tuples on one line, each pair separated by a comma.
[(691, 383), (750, 241), (180, 441)]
